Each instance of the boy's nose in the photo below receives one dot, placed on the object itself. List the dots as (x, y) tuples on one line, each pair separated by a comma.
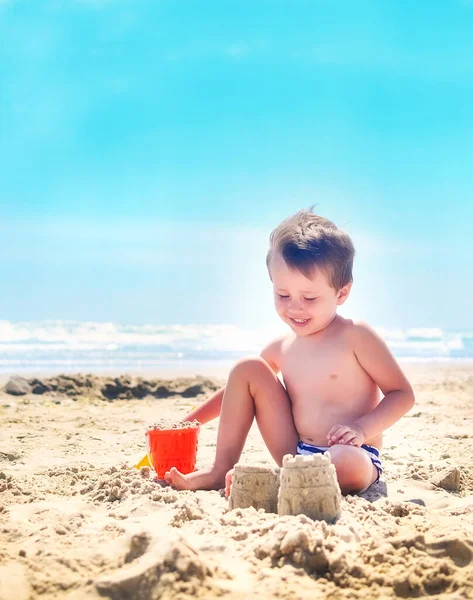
[(295, 306)]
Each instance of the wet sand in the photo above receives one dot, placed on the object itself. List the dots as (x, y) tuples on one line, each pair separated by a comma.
[(78, 522)]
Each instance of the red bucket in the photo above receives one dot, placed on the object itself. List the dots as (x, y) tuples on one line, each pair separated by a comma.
[(172, 448)]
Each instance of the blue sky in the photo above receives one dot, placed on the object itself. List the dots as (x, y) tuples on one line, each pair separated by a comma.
[(147, 149)]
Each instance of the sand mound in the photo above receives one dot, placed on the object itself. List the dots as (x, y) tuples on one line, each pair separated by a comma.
[(168, 570), (125, 387)]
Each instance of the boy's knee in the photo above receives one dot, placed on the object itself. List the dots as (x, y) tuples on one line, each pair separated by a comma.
[(252, 365), (354, 468)]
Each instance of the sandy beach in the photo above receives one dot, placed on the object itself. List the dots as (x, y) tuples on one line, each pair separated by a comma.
[(77, 521)]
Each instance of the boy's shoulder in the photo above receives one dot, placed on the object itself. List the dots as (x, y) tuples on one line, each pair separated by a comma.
[(355, 329), (354, 334), (272, 351), (359, 331), (276, 344)]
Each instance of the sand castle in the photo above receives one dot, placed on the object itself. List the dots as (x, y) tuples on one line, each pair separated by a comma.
[(305, 485), (254, 486), (309, 486)]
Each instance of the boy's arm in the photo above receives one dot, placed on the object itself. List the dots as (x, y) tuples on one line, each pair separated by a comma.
[(210, 409), (376, 359)]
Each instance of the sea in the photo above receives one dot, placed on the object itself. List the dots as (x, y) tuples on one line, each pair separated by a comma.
[(89, 347)]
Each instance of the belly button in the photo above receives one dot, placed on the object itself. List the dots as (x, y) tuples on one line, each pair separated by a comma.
[(333, 376)]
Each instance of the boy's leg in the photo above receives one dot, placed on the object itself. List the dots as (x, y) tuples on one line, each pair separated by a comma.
[(253, 390), (355, 471)]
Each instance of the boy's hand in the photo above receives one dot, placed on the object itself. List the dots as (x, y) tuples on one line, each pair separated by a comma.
[(352, 435)]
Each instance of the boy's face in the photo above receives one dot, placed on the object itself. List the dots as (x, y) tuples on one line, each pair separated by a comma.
[(306, 305)]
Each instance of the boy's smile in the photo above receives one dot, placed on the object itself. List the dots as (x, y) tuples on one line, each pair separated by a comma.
[(306, 305), (300, 322)]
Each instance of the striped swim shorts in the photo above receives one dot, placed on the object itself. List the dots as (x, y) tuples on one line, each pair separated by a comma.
[(373, 453)]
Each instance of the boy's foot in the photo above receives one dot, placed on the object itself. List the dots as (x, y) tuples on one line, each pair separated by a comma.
[(228, 482), (206, 479)]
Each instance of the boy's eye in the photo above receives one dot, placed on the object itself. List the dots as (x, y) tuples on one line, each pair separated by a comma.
[(283, 297)]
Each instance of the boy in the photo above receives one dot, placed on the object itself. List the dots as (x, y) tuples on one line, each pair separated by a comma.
[(333, 369)]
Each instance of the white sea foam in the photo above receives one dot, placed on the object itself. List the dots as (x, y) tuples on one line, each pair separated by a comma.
[(68, 345)]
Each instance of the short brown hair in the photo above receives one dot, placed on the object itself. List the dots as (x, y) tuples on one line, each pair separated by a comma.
[(308, 242)]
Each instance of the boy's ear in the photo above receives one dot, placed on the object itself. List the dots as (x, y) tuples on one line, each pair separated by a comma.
[(344, 293)]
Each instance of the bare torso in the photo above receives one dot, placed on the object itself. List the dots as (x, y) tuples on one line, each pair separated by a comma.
[(325, 382)]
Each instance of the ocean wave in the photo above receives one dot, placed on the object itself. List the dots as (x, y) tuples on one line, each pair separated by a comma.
[(55, 343)]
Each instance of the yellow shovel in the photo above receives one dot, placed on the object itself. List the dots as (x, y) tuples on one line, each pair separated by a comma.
[(144, 462)]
